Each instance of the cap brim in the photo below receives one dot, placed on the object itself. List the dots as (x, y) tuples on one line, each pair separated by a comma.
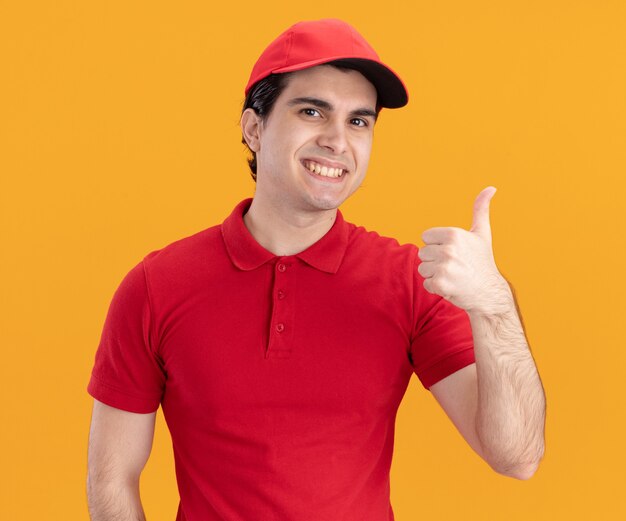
[(392, 92)]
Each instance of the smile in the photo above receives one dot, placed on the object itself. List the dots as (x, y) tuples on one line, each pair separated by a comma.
[(324, 171)]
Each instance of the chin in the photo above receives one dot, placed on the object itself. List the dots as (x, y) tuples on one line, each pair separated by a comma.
[(325, 204)]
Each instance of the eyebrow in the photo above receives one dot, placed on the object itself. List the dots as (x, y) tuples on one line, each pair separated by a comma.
[(324, 105)]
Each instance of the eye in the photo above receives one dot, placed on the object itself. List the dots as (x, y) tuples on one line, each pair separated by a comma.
[(359, 122), (309, 112)]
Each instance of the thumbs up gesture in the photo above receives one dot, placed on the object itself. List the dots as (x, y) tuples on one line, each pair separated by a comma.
[(459, 265)]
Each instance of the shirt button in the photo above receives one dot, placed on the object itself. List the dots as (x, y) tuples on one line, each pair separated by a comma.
[(282, 267), (280, 327), (281, 294)]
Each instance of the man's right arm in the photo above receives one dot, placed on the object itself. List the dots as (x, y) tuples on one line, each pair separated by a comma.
[(119, 446)]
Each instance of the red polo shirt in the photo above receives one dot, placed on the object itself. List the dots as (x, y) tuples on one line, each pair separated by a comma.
[(279, 376)]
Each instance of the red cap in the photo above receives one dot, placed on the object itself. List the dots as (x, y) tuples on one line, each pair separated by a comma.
[(311, 43)]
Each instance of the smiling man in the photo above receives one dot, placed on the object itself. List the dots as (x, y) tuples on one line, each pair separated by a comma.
[(280, 342)]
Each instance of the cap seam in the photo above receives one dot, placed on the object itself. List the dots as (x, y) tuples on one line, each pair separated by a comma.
[(289, 46), (353, 40)]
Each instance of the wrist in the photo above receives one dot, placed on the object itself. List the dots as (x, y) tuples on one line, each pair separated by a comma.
[(498, 301)]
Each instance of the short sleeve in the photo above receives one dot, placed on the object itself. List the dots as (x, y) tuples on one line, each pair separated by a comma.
[(127, 373), (442, 341)]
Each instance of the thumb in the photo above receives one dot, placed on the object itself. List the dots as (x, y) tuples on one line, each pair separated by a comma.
[(480, 221)]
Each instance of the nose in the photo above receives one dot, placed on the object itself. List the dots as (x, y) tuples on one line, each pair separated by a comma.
[(333, 137)]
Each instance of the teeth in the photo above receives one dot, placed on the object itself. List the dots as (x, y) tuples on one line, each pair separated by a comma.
[(324, 170)]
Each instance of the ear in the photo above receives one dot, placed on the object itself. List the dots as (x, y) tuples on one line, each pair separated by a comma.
[(251, 129)]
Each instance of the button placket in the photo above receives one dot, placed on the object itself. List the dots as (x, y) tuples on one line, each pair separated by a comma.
[(281, 323)]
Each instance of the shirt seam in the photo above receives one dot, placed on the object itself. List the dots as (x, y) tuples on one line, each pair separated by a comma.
[(125, 393), (150, 308), (412, 268), (441, 360)]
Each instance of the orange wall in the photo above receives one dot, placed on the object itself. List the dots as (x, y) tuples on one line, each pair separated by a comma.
[(119, 134)]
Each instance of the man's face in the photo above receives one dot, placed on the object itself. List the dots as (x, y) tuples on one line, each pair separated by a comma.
[(322, 122)]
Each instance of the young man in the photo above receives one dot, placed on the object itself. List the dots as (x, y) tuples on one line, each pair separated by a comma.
[(281, 342)]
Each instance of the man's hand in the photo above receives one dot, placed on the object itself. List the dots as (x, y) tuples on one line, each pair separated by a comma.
[(506, 399), (459, 265)]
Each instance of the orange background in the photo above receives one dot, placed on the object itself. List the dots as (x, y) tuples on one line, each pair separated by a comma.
[(119, 134)]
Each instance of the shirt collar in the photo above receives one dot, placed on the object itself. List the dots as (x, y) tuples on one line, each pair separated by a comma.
[(247, 254)]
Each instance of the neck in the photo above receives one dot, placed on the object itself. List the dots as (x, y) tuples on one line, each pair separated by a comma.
[(285, 232)]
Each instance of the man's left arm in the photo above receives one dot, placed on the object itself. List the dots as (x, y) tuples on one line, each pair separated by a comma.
[(498, 403)]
